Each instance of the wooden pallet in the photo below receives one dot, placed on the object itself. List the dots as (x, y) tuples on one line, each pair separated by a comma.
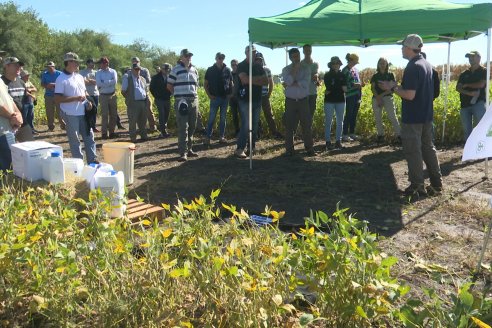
[(136, 210)]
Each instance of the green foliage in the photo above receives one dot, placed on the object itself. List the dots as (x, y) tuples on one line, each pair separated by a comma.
[(64, 263)]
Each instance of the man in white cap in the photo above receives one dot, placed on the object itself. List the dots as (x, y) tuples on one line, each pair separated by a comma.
[(145, 73), (183, 84), (71, 95), (48, 78), (471, 86), (416, 92)]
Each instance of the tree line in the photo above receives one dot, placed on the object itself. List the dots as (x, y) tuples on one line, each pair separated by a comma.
[(24, 35)]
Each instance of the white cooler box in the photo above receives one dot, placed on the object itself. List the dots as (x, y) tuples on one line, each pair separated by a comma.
[(26, 158)]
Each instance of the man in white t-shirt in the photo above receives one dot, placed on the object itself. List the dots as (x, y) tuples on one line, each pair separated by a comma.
[(71, 94)]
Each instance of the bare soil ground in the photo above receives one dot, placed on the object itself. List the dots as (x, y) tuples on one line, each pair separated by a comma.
[(446, 230)]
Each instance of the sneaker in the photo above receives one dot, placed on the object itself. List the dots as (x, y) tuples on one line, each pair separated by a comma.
[(206, 142), (183, 158), (346, 138), (222, 140), (329, 146), (239, 153), (338, 145), (191, 153), (278, 135), (415, 191), (165, 134), (310, 153), (433, 190), (354, 136)]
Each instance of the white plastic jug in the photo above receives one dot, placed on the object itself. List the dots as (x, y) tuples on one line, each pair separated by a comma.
[(112, 184), (73, 166), (89, 171), (122, 156), (53, 168)]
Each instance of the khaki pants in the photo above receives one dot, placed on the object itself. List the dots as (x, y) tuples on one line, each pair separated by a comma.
[(295, 111), (137, 116), (389, 106), (109, 110), (186, 125), (52, 111), (150, 114)]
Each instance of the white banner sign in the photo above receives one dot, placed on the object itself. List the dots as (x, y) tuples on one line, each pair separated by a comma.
[(479, 143)]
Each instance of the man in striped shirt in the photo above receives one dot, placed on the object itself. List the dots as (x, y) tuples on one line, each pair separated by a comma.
[(183, 84)]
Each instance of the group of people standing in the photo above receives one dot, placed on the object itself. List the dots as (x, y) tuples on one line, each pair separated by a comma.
[(74, 98)]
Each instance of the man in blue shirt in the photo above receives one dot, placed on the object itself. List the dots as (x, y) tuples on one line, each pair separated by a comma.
[(48, 78), (416, 92)]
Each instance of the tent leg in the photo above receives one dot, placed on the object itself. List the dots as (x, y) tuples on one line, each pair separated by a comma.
[(487, 92), (484, 246), (448, 72), (250, 109)]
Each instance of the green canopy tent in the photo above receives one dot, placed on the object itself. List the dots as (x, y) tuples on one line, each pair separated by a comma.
[(371, 22)]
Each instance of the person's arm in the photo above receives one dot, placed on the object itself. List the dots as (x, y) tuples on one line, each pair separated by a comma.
[(256, 80), (287, 76), (406, 94), (461, 89), (270, 85), (205, 86), (124, 85)]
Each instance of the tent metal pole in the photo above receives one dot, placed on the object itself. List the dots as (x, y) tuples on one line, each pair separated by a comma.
[(250, 105), (487, 91), (448, 73), (485, 243), (286, 56)]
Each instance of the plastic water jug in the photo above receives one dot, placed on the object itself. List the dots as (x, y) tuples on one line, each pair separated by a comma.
[(53, 168), (73, 166), (112, 184), (89, 171)]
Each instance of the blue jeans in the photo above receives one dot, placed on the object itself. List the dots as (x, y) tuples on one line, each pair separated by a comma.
[(351, 109), (28, 114), (77, 126), (470, 116), (243, 132), (338, 108), (164, 109), (215, 104), (5, 155)]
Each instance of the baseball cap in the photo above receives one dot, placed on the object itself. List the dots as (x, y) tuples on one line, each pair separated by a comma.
[(71, 56), (253, 48), (103, 60), (472, 53), (136, 65), (412, 41), (135, 59), (24, 72), (259, 55), (12, 60), (167, 66), (50, 64), (219, 55), (185, 53), (89, 60)]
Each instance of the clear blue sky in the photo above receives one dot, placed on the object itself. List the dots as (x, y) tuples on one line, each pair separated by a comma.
[(208, 26)]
